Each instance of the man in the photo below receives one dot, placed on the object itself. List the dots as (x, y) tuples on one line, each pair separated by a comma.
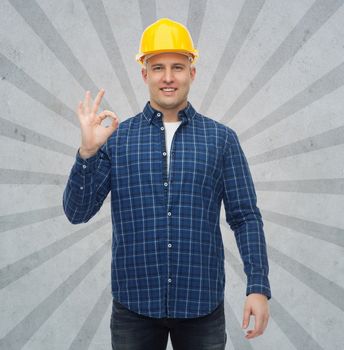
[(168, 169)]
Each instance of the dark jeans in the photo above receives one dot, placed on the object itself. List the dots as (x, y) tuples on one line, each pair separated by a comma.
[(131, 331)]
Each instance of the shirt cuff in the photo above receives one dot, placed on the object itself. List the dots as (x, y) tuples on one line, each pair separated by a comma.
[(258, 284), (86, 166)]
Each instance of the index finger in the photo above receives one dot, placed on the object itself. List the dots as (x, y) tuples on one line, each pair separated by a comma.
[(258, 327), (98, 100)]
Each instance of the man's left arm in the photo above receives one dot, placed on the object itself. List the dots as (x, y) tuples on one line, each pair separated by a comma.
[(244, 218)]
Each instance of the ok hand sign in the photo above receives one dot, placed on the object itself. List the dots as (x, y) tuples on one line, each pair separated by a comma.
[(93, 134)]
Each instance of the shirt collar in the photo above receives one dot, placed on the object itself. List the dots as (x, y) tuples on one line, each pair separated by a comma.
[(186, 114)]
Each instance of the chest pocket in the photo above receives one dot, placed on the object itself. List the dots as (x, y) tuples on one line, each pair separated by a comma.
[(203, 161), (143, 161)]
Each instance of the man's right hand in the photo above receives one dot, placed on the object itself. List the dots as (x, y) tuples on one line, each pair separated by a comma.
[(93, 134)]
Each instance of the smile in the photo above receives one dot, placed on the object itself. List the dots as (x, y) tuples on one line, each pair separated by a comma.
[(168, 89)]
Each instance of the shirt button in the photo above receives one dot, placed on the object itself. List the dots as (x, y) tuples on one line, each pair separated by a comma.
[(158, 114), (162, 128), (169, 245), (165, 184), (84, 166), (169, 280), (169, 213), (164, 154), (81, 188)]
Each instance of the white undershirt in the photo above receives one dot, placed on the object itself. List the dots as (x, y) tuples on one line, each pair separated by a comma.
[(170, 128)]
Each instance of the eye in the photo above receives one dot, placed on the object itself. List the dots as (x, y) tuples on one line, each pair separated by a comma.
[(178, 68), (157, 68)]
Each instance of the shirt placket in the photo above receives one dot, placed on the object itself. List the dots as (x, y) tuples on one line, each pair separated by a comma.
[(167, 181)]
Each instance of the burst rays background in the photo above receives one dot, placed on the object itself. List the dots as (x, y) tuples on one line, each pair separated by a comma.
[(272, 70)]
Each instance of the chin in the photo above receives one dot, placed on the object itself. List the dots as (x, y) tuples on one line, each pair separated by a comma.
[(167, 104), (171, 104)]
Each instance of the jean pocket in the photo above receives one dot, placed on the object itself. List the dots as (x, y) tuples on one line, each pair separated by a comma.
[(116, 306)]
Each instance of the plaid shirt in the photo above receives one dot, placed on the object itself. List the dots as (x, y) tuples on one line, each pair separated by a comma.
[(167, 249)]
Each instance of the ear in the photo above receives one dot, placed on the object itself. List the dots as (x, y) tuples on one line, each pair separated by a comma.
[(144, 74), (192, 72)]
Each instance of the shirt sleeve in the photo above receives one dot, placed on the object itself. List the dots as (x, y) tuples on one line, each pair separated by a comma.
[(244, 217), (88, 185)]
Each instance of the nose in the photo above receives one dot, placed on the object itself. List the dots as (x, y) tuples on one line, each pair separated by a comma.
[(168, 76)]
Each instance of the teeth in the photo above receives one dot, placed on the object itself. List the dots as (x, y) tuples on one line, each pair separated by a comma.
[(168, 89)]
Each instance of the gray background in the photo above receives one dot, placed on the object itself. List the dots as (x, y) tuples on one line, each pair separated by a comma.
[(272, 70)]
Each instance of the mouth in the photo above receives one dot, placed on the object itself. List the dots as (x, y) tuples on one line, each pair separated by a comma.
[(168, 90)]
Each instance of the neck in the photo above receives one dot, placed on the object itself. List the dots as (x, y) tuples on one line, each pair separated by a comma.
[(169, 115)]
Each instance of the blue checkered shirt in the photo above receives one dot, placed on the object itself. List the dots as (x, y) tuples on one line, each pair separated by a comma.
[(167, 249)]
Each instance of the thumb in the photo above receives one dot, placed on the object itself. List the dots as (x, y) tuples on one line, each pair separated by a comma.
[(246, 318), (112, 127), (115, 121), (106, 114)]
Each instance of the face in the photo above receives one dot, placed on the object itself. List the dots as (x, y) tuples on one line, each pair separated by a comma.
[(168, 76)]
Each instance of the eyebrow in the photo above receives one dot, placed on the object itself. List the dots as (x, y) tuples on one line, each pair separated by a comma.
[(173, 64)]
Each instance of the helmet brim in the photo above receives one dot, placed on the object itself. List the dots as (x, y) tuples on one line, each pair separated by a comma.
[(140, 57)]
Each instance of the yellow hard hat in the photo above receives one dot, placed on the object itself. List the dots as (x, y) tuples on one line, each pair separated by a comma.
[(166, 35)]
